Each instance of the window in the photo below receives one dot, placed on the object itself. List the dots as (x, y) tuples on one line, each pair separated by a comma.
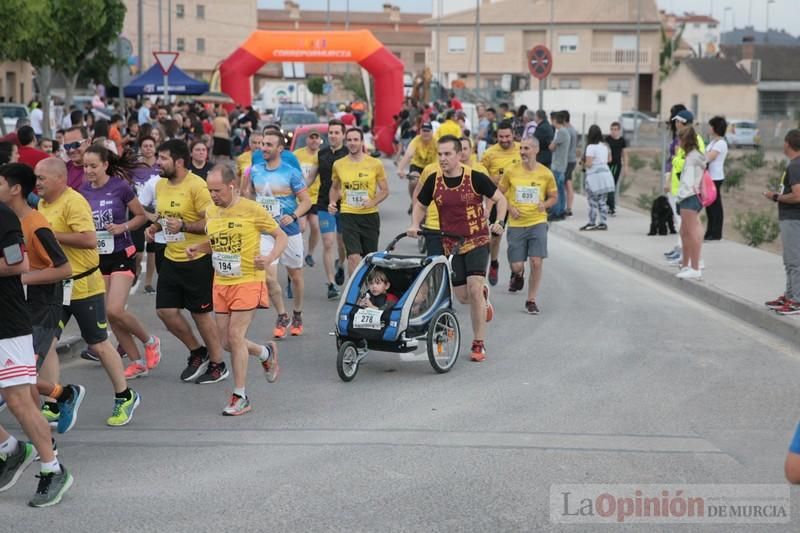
[(619, 86), (712, 26), (419, 57), (494, 44), (567, 44), (456, 44), (181, 44), (601, 99), (624, 42), (569, 83), (696, 25), (179, 11), (201, 45), (201, 11)]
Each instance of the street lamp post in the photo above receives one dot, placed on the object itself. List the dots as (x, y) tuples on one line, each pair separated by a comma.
[(733, 19), (478, 45), (766, 33), (636, 76)]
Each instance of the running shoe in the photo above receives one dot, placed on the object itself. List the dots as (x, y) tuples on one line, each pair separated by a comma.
[(237, 406), (777, 303), (493, 268), (90, 355), (49, 414), (489, 306), (152, 352), (601, 227), (2, 404), (68, 408), (674, 251), (281, 326), (478, 354), (52, 486), (215, 373), (517, 282), (531, 307), (310, 260), (333, 293), (289, 293), (121, 351), (568, 212), (673, 255), (339, 277), (689, 273), (196, 366), (270, 365), (676, 261), (12, 465), (148, 289), (296, 328), (790, 308), (123, 410), (588, 227), (136, 370)]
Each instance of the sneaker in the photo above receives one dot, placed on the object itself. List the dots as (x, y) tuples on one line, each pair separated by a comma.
[(196, 366), (148, 289), (215, 373), (281, 325), (493, 268), (296, 328), (333, 293), (674, 255), (674, 251), (675, 261), (310, 260), (68, 409), (478, 354), (90, 355), (777, 303), (568, 212), (121, 351), (790, 308), (517, 282), (588, 227), (123, 410), (489, 306), (136, 370), (52, 486), (339, 277), (270, 366), (152, 352), (12, 465), (531, 307), (689, 273), (289, 293), (601, 227), (237, 406), (50, 415)]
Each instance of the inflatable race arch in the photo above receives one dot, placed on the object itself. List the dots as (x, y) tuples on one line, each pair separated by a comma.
[(359, 46)]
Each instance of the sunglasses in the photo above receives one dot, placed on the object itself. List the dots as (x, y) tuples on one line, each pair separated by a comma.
[(73, 145)]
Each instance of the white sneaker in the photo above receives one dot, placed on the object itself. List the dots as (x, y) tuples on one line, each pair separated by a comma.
[(689, 273), (675, 262)]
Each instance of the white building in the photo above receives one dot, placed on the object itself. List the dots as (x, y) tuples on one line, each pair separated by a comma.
[(700, 32)]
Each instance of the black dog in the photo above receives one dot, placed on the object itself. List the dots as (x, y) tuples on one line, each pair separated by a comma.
[(661, 217)]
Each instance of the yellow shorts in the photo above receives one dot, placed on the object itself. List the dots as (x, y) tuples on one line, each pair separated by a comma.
[(240, 297)]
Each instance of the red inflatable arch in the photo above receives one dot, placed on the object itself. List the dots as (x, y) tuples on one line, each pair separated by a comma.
[(321, 46)]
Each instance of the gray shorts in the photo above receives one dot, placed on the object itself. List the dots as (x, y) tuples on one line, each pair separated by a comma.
[(527, 242)]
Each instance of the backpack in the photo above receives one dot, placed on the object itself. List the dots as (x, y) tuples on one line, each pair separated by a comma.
[(707, 192)]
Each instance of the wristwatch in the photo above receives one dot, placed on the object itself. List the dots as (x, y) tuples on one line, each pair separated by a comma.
[(775, 197), (294, 217)]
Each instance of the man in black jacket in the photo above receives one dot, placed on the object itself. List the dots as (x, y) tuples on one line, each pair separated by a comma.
[(544, 134)]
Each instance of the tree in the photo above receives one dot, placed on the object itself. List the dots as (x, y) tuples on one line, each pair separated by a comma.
[(353, 82), (316, 86), (52, 35)]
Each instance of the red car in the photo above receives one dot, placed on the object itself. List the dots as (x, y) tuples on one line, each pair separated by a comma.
[(301, 134)]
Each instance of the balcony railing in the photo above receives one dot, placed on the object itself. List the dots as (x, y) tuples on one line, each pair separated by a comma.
[(613, 56)]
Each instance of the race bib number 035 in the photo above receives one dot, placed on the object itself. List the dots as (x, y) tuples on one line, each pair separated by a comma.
[(527, 195), (367, 319)]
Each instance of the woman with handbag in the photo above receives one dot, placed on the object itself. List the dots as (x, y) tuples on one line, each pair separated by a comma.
[(689, 205)]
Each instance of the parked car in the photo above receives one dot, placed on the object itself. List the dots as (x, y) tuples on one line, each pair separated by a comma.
[(11, 113), (283, 107), (300, 135), (629, 118), (290, 120), (743, 133)]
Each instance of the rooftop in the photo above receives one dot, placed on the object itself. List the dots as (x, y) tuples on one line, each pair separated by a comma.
[(778, 63), (339, 17), (718, 71)]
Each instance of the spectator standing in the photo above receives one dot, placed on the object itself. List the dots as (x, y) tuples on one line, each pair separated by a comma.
[(28, 153), (37, 118), (716, 153), (560, 148), (572, 161), (544, 134), (689, 205), (619, 162), (599, 181)]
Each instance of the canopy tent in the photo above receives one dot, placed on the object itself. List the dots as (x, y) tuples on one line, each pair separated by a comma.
[(152, 82)]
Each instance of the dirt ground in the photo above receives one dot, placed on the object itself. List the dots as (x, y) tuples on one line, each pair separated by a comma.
[(737, 200)]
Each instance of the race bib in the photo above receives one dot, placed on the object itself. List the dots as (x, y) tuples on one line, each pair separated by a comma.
[(527, 195), (271, 204), (227, 265), (67, 286), (356, 198), (367, 319), (171, 237), (105, 242)]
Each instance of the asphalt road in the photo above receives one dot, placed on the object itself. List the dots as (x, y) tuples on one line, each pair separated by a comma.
[(617, 381)]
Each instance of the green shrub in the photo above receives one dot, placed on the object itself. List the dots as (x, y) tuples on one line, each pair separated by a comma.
[(754, 160), (655, 163), (757, 227), (774, 182), (577, 179), (636, 162), (645, 200), (779, 167), (734, 178)]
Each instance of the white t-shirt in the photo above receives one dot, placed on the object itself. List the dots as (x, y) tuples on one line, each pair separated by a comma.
[(717, 167), (598, 153), (37, 117), (147, 197)]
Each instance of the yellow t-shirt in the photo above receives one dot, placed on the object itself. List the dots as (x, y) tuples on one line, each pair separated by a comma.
[(243, 162), (525, 190), (496, 160), (432, 214), (424, 153), (307, 161), (186, 201), (358, 181), (449, 127), (71, 213), (235, 236)]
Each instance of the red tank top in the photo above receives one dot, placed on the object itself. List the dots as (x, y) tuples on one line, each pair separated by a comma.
[(461, 213)]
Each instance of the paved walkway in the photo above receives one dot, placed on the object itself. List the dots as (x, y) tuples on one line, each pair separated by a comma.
[(737, 279)]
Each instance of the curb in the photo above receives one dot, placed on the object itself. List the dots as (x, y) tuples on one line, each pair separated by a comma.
[(754, 315)]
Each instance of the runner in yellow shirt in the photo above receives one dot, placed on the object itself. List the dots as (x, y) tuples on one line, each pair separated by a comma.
[(531, 190), (234, 226), (308, 156), (421, 152), (245, 160), (497, 158)]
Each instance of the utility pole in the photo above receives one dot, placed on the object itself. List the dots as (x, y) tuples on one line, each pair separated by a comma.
[(439, 46), (160, 32), (636, 80), (328, 64), (169, 24), (347, 28), (551, 37), (478, 45), (140, 31)]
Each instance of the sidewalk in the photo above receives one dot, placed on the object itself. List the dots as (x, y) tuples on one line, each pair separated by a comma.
[(738, 279)]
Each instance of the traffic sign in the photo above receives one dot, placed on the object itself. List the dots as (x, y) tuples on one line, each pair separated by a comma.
[(540, 62), (166, 60), (121, 48)]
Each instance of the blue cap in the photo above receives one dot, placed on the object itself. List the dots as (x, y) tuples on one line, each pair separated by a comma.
[(684, 116)]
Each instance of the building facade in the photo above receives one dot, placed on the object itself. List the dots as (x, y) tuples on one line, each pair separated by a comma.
[(204, 32), (701, 33), (594, 45), (16, 82)]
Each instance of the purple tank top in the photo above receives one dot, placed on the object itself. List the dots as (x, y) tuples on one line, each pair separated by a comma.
[(109, 205)]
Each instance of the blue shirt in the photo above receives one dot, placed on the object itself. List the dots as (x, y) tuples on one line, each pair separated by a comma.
[(282, 184), (291, 159)]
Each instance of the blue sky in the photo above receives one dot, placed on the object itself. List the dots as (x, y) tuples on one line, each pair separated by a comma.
[(783, 13)]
